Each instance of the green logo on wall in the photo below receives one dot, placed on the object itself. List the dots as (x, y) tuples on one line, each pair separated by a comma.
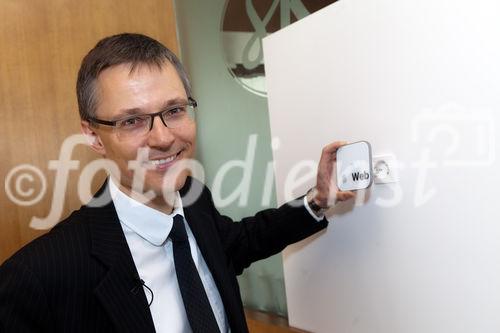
[(245, 23)]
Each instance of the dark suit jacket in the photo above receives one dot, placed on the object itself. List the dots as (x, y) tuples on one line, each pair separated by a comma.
[(80, 277)]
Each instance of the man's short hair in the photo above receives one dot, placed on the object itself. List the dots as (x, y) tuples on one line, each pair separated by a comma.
[(125, 48)]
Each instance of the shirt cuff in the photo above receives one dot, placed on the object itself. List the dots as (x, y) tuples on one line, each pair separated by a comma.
[(316, 217)]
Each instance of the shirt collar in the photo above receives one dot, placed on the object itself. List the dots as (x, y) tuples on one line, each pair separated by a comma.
[(149, 223)]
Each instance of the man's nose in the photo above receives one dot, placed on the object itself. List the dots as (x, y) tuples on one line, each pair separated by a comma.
[(160, 135)]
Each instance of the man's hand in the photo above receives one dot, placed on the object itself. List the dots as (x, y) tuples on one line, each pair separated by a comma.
[(326, 192)]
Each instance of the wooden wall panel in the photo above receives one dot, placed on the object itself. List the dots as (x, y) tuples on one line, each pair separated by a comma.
[(42, 43), (265, 322)]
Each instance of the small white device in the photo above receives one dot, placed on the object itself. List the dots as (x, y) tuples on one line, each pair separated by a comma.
[(354, 166)]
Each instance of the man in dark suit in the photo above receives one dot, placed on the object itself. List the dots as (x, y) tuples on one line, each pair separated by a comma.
[(150, 252)]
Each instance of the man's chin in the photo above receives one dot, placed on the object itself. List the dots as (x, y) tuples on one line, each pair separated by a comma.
[(167, 186)]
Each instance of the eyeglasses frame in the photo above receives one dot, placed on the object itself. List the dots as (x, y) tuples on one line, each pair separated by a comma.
[(112, 123)]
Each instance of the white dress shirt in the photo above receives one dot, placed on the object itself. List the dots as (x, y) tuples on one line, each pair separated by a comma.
[(146, 231)]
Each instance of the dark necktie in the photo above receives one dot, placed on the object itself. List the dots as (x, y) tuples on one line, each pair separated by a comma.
[(198, 309)]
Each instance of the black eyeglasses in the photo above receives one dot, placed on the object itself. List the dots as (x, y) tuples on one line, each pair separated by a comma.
[(175, 116)]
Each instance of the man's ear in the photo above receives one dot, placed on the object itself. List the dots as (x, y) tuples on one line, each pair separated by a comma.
[(92, 138)]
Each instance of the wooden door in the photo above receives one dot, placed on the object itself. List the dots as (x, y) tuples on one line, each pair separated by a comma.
[(42, 43)]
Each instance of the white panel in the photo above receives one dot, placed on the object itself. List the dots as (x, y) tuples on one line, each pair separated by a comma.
[(419, 80)]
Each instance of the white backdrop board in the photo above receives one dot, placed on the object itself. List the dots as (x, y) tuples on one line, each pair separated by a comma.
[(419, 80)]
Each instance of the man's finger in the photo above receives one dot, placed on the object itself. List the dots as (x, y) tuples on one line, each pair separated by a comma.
[(332, 147), (345, 195)]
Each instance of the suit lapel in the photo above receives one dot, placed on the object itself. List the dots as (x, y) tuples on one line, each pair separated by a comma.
[(127, 308), (204, 231)]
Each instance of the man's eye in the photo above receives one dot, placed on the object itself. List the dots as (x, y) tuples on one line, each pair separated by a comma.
[(131, 122), (175, 111)]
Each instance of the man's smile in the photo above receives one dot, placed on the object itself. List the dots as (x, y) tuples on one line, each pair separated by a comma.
[(162, 163)]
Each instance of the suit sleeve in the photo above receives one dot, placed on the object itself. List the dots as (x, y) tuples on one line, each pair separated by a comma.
[(23, 306), (266, 233)]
